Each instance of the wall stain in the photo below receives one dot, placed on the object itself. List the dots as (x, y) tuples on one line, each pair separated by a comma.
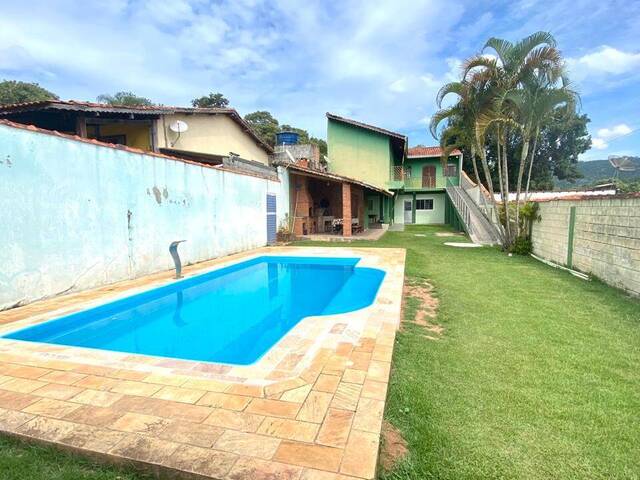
[(7, 161), (165, 192), (129, 226), (157, 194)]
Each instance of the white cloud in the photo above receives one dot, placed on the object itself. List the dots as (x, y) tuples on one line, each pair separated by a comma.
[(615, 131), (599, 143)]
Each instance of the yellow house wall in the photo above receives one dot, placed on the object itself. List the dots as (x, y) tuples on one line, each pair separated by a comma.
[(138, 136), (212, 134)]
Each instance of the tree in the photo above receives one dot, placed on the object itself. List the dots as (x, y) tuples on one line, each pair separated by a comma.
[(13, 91), (128, 99), (264, 124), (304, 137), (512, 110), (213, 100)]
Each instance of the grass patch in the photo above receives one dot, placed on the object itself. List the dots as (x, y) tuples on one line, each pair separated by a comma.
[(23, 461), (536, 376)]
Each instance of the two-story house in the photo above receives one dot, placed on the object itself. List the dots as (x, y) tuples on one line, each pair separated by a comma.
[(380, 157)]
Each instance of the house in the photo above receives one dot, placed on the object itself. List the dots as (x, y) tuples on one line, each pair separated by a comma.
[(207, 135), (420, 185), (415, 176)]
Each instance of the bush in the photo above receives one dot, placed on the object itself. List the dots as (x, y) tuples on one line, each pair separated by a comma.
[(522, 246)]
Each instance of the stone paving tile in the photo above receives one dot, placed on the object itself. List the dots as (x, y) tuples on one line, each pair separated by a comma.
[(184, 395), (22, 385), (361, 454), (57, 391), (255, 469), (97, 398), (243, 421), (64, 378), (201, 461), (275, 408), (309, 455), (369, 415), (144, 449), (224, 400), (373, 389), (16, 400), (327, 383), (289, 429), (335, 428), (95, 416), (49, 407), (248, 444), (346, 396), (131, 387), (11, 420), (197, 434), (297, 395), (293, 415), (315, 407), (140, 423)]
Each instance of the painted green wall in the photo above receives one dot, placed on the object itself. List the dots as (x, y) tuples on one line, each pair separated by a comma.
[(422, 217), (359, 153), (417, 164)]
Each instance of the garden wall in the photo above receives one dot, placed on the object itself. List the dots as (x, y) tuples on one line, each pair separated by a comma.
[(76, 214), (596, 236)]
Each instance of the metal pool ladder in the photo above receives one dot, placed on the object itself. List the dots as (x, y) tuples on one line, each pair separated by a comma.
[(173, 250)]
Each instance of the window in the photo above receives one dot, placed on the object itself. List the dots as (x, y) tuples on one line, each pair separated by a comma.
[(451, 171), (424, 204)]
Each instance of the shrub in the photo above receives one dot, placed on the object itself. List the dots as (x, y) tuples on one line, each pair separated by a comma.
[(522, 246)]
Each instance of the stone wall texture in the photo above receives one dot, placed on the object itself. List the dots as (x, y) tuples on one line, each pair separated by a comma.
[(606, 240)]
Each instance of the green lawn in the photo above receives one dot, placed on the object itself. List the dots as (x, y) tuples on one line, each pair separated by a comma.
[(537, 374), (21, 461)]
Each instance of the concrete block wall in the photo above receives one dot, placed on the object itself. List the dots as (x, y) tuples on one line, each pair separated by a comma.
[(76, 215), (606, 238)]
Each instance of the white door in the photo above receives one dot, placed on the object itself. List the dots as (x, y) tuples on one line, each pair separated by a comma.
[(408, 211)]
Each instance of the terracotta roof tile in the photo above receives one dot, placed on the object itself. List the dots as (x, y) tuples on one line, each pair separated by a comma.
[(429, 152)]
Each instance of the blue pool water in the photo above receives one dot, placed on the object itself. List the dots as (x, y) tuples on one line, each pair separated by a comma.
[(232, 315)]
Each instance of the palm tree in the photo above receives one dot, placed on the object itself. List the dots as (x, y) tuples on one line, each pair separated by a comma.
[(503, 76)]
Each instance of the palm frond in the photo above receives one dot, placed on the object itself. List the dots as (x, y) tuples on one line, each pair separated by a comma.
[(502, 47)]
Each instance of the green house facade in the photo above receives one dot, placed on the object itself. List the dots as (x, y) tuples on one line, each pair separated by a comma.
[(415, 176)]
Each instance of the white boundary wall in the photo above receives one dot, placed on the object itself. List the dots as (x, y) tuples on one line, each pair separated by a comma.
[(606, 238), (75, 215)]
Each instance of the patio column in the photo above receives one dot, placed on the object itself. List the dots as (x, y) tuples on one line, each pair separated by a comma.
[(346, 210)]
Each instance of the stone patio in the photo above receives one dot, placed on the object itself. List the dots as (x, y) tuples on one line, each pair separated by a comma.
[(310, 409)]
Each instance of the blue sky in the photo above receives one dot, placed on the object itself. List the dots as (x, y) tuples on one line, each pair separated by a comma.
[(380, 62)]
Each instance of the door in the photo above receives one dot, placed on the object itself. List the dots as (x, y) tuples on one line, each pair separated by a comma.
[(271, 219), (408, 211), (429, 176)]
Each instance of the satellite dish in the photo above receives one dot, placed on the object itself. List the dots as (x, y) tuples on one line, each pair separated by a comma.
[(622, 163), (179, 126)]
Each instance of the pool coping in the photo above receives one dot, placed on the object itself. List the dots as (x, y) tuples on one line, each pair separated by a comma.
[(310, 408)]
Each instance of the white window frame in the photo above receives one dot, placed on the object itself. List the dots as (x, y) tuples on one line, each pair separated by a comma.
[(425, 200)]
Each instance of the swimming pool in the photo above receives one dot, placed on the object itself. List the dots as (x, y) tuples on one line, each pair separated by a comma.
[(231, 315)]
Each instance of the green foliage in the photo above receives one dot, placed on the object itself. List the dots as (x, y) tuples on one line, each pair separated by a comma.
[(596, 172), (522, 246), (267, 126), (213, 100), (13, 91), (128, 99)]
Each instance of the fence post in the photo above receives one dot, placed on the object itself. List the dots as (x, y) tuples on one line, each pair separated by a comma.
[(572, 226)]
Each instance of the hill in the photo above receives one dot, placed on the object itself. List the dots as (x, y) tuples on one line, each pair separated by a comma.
[(597, 170)]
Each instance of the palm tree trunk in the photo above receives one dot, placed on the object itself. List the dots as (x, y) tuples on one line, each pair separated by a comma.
[(475, 166), (533, 154), (505, 178), (504, 195), (523, 160)]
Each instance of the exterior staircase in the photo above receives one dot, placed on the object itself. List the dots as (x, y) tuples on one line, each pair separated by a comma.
[(475, 216)]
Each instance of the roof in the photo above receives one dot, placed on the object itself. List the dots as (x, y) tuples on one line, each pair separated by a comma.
[(373, 128), (76, 106), (114, 146), (331, 176), (429, 152)]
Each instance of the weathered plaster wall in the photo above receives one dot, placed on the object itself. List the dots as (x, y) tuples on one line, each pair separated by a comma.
[(606, 238), (76, 215)]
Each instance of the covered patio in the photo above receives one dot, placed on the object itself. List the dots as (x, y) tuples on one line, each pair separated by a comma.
[(325, 206)]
